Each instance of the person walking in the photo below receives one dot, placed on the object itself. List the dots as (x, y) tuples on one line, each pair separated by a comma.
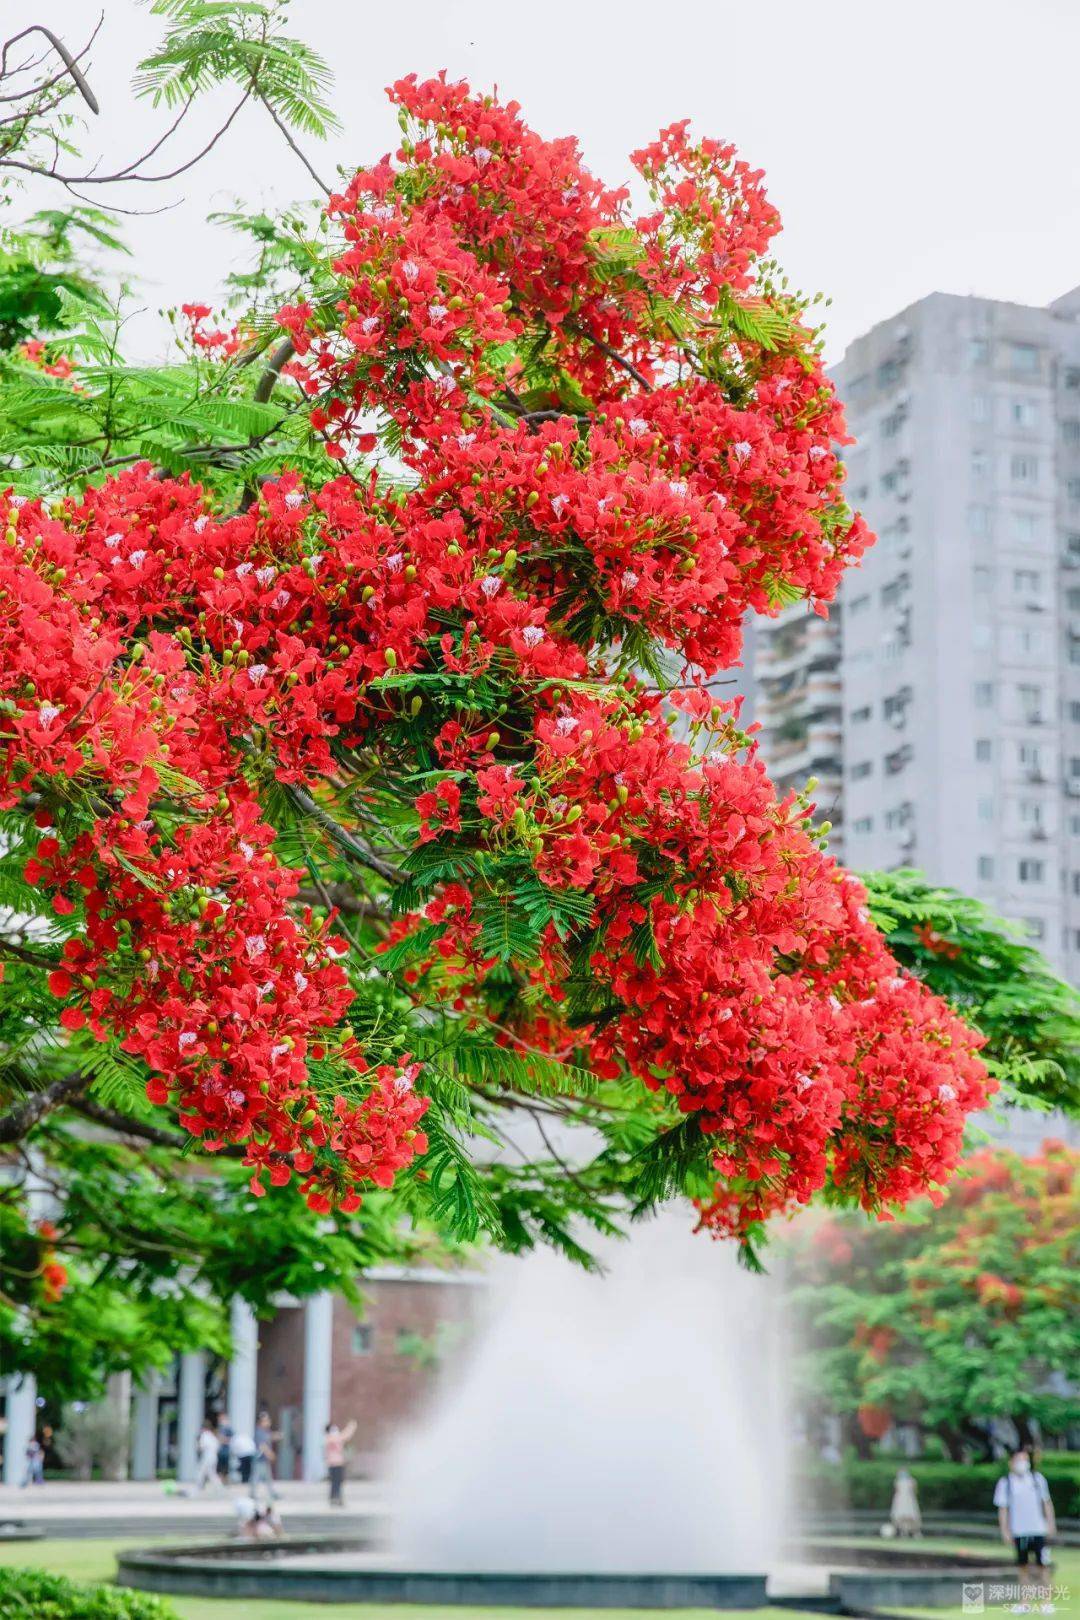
[(334, 1454), (1025, 1515), (904, 1515), (224, 1442), (35, 1463), (206, 1452), (242, 1447), (262, 1470)]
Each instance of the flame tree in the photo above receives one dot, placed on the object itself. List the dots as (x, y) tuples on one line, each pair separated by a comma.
[(370, 787), (952, 1317)]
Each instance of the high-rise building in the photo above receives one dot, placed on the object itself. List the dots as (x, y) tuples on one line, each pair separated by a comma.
[(939, 705)]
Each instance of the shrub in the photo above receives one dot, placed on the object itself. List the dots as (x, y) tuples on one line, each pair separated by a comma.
[(34, 1594), (944, 1487)]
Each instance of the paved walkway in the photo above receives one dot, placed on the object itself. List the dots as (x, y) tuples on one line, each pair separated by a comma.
[(161, 1508)]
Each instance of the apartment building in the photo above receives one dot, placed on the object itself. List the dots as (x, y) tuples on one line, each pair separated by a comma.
[(939, 705)]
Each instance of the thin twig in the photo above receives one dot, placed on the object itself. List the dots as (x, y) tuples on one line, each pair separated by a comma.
[(284, 128)]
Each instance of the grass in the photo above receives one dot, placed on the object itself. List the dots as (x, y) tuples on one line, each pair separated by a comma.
[(87, 1560)]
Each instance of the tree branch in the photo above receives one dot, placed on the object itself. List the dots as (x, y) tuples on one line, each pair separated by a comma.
[(342, 837), (284, 128), (69, 61), (20, 1120)]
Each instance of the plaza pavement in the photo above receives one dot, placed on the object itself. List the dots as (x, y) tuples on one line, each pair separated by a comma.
[(162, 1508)]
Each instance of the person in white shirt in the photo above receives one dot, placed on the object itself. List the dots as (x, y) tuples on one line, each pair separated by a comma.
[(242, 1447), (207, 1449), (1025, 1513)]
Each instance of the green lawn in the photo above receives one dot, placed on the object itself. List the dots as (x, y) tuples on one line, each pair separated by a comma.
[(96, 1561)]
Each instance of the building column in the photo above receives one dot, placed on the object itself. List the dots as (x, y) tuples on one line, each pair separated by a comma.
[(118, 1401), (318, 1345), (144, 1437), (21, 1425), (190, 1411), (243, 1366)]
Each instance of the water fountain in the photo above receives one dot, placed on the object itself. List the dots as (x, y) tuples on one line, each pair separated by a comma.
[(612, 1440)]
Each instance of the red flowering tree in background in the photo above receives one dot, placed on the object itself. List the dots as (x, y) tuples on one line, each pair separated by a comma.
[(954, 1316), (363, 806)]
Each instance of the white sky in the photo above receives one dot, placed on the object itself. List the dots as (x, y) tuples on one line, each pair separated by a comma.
[(909, 147)]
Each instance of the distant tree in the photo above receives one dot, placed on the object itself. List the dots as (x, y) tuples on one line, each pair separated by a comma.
[(954, 1315)]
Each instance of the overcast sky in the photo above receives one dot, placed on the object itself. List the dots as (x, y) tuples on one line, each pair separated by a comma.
[(909, 147)]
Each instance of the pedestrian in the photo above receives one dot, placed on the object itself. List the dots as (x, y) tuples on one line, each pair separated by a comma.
[(224, 1440), (334, 1453), (1025, 1514), (206, 1450), (242, 1447), (35, 1463), (904, 1515), (262, 1471)]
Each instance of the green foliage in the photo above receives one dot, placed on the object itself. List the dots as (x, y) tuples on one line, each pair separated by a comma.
[(994, 978), (944, 1487), (40, 263), (35, 1594), (213, 42)]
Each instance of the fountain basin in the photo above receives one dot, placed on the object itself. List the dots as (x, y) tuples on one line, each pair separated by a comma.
[(330, 1570)]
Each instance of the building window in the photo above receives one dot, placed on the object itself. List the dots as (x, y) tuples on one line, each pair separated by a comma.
[(1030, 756), (1024, 413), (1072, 488), (1074, 825), (1072, 597), (1075, 883), (1025, 526), (980, 407), (1074, 765), (979, 463), (859, 715), (1031, 702), (980, 351), (863, 824), (858, 604), (1074, 711), (1023, 357), (984, 694), (1023, 468), (981, 637), (1031, 812), (979, 520), (1070, 430), (1030, 643), (985, 809), (1072, 377), (862, 769), (898, 816), (1026, 579), (1035, 926), (983, 750), (1030, 871), (986, 868), (983, 579), (363, 1339)]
